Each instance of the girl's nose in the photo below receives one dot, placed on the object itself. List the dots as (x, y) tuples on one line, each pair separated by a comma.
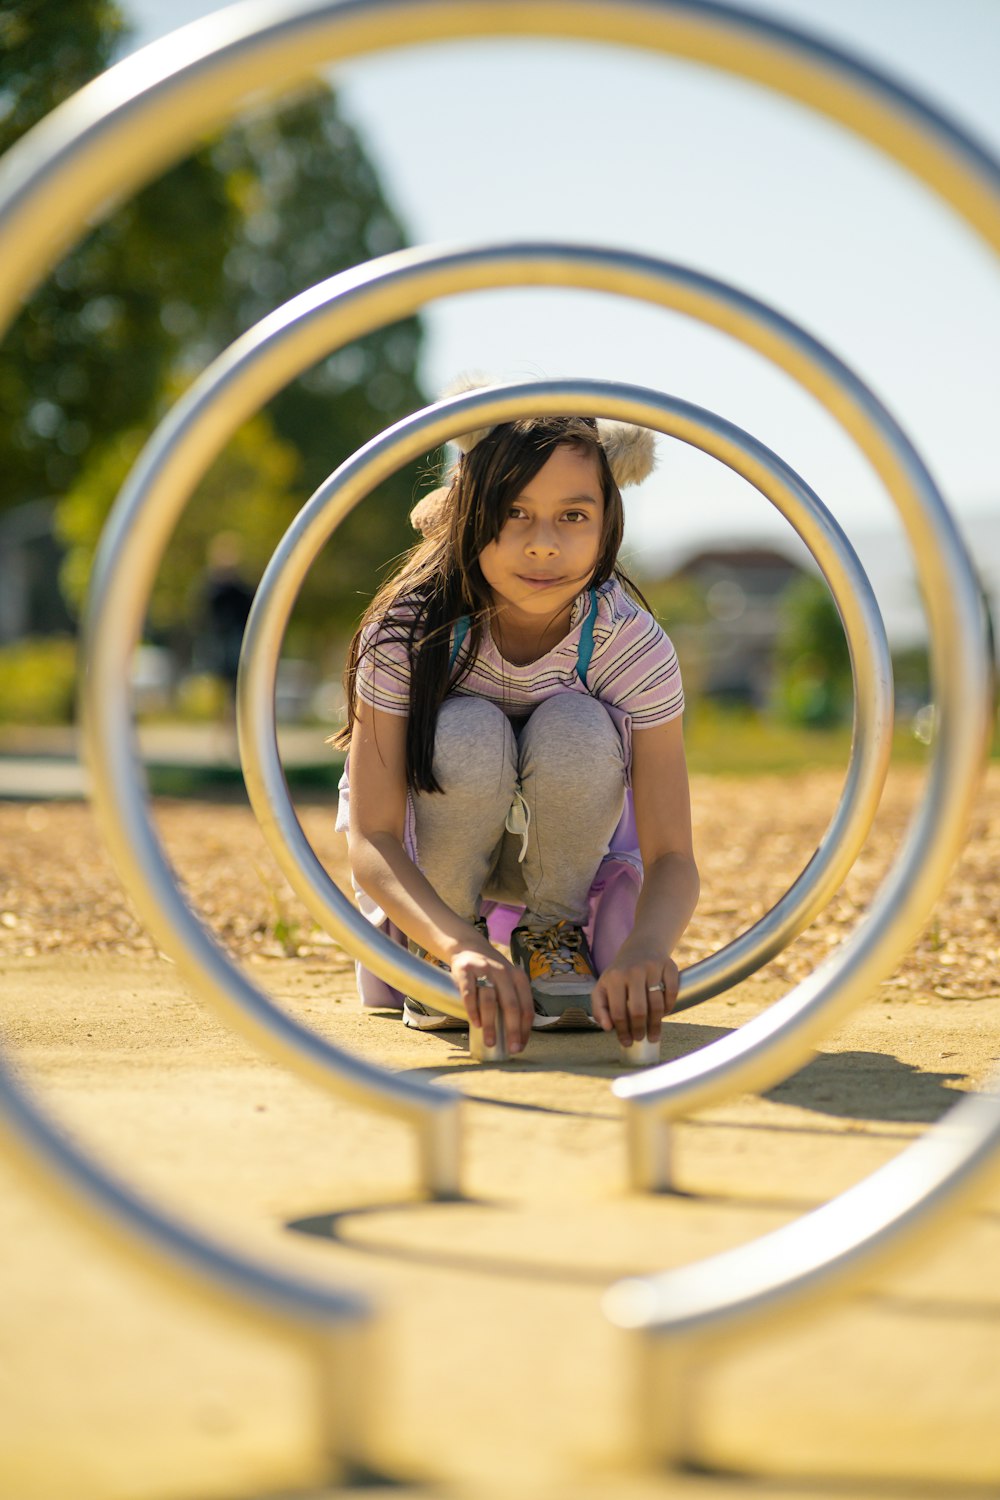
[(542, 539)]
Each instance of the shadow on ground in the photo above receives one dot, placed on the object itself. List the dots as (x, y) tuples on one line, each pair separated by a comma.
[(335, 1227), (869, 1086), (844, 1085)]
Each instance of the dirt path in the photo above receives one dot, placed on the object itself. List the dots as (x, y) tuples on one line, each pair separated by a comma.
[(499, 1374)]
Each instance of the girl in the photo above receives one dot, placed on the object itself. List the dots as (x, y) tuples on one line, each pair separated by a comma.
[(515, 745)]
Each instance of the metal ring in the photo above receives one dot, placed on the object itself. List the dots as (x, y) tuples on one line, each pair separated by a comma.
[(145, 112), (949, 587), (652, 988), (770, 1047), (485, 981), (680, 1318), (44, 208)]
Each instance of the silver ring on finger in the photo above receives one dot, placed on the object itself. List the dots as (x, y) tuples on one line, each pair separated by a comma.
[(485, 982), (652, 988)]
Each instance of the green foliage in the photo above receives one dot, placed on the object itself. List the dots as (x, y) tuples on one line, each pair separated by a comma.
[(911, 672), (677, 602), (49, 52), (311, 205), (251, 489), (813, 681), (38, 681), (201, 699), (280, 201), (723, 741), (89, 353)]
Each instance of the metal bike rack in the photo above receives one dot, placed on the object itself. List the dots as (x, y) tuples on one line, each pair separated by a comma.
[(143, 114)]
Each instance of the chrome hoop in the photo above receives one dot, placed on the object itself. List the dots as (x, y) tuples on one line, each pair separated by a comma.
[(257, 365)]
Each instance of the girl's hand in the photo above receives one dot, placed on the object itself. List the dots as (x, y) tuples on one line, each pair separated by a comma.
[(507, 989), (633, 995)]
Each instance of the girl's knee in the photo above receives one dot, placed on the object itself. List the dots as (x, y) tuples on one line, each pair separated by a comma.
[(474, 745), (575, 724)]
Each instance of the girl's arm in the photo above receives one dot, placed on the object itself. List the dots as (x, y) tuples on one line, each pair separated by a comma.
[(622, 999), (385, 871)]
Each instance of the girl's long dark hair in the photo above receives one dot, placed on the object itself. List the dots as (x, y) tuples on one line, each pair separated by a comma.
[(440, 580)]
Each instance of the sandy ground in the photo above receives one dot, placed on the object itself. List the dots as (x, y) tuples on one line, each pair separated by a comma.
[(497, 1372)]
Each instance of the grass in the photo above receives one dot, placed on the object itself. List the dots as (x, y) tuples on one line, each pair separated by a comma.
[(730, 742), (226, 781)]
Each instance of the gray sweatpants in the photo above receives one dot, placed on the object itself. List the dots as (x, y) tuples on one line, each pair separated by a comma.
[(562, 773)]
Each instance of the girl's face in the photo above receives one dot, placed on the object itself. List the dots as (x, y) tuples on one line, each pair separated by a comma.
[(550, 543)]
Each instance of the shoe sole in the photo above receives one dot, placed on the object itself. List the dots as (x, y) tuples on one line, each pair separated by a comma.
[(417, 1022), (573, 1018)]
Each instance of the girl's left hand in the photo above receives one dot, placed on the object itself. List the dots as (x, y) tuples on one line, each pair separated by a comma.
[(633, 995)]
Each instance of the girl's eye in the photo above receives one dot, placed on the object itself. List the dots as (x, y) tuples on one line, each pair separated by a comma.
[(576, 515)]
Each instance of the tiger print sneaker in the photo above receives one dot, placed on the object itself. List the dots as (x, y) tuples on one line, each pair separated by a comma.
[(558, 963)]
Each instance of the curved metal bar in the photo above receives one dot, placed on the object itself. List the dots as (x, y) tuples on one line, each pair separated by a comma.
[(409, 439), (112, 1206), (145, 112), (679, 1318), (772, 1045)]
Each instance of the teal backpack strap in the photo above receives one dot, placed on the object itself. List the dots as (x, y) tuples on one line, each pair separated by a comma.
[(461, 631), (586, 647)]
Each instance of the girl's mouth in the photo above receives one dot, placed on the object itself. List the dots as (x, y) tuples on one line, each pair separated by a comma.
[(538, 583)]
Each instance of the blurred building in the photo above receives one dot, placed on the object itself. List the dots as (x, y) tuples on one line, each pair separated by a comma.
[(731, 654), (30, 556)]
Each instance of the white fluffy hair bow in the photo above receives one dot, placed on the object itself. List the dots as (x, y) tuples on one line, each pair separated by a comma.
[(630, 451)]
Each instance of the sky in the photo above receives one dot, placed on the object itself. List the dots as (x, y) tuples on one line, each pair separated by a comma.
[(497, 140)]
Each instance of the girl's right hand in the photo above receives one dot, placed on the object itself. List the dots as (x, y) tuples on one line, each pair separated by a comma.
[(507, 988)]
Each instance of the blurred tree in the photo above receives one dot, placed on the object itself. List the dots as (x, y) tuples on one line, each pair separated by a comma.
[(813, 678), (282, 200), (677, 602), (250, 489), (310, 204), (88, 355)]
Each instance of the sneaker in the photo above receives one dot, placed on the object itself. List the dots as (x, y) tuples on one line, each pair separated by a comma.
[(558, 963), (422, 1017)]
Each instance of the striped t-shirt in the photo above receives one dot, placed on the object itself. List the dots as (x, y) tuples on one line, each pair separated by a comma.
[(633, 667)]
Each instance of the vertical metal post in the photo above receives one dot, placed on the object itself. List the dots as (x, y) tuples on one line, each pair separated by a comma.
[(641, 1054), (346, 1364), (439, 1150), (662, 1416), (478, 1049), (649, 1143)]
